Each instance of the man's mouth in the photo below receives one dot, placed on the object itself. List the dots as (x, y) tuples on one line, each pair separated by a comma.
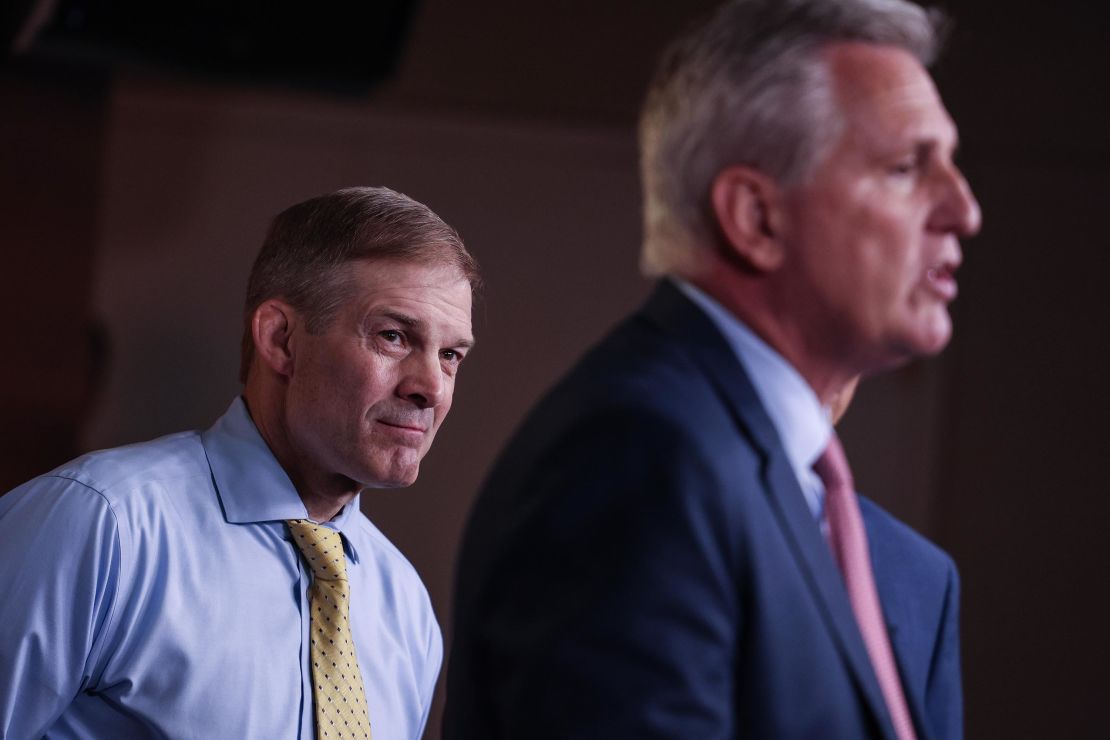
[(404, 426), (941, 279)]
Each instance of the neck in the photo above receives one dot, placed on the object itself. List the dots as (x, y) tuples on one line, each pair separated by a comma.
[(324, 495), (325, 508), (751, 299)]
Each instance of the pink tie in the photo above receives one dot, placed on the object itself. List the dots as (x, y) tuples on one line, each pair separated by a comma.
[(849, 544)]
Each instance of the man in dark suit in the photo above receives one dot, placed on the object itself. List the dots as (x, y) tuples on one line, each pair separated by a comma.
[(670, 547)]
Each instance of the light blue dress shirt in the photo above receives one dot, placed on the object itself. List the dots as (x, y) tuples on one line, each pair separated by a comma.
[(799, 418), (153, 591)]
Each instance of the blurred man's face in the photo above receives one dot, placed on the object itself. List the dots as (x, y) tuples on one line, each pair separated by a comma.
[(872, 236), (366, 397)]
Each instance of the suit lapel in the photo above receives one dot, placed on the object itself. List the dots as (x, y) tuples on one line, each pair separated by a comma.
[(894, 615), (687, 325), (903, 658)]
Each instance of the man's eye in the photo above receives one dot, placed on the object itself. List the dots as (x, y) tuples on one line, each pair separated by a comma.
[(451, 355), (390, 335), (904, 167)]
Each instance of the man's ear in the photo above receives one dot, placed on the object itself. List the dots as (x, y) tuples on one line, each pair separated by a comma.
[(272, 327), (746, 204)]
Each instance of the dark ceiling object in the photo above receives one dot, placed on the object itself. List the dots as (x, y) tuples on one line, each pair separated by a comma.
[(341, 45), (17, 22)]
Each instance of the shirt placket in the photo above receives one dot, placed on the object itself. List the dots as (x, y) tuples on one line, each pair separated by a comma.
[(307, 730)]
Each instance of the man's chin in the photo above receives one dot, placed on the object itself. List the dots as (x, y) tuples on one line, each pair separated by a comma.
[(397, 476), (913, 347), (936, 336)]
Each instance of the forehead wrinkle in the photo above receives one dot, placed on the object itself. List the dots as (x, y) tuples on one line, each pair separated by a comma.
[(875, 76), (909, 122), (403, 319)]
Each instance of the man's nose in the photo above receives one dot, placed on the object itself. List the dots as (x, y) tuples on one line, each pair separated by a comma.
[(423, 381), (958, 211)]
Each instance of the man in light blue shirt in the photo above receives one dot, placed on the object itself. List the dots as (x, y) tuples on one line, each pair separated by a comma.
[(154, 590)]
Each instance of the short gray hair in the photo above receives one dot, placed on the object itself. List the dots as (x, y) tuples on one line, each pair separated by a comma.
[(302, 258), (747, 86)]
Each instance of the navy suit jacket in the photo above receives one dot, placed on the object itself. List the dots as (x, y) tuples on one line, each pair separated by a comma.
[(642, 564)]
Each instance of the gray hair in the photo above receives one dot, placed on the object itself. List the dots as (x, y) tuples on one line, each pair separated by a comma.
[(302, 258), (748, 86)]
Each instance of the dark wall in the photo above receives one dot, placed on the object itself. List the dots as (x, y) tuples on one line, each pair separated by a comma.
[(993, 450), (52, 130), (1022, 494)]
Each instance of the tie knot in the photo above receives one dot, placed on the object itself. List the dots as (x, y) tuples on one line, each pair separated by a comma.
[(322, 548), (832, 467)]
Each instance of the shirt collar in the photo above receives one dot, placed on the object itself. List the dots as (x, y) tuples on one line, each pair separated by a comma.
[(251, 484), (799, 418)]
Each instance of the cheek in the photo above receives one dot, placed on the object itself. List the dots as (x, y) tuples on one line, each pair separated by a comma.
[(445, 405), (891, 251), (367, 381), (848, 233)]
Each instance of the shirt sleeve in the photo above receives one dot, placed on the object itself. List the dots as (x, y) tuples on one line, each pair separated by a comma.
[(429, 669), (60, 555)]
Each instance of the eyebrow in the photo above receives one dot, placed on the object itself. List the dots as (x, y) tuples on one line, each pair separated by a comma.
[(411, 322), (953, 142)]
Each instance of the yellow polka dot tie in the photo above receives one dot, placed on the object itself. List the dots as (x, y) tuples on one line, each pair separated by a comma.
[(336, 681)]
